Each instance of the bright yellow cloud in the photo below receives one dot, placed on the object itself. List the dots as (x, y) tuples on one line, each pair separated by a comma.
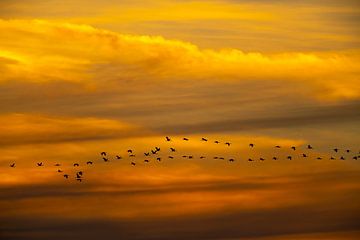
[(44, 51)]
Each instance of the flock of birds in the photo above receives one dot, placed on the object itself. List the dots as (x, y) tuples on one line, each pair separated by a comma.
[(154, 153)]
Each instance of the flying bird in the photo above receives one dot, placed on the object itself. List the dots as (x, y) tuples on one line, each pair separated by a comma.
[(89, 162), (304, 155), (129, 151), (66, 176), (204, 139), (172, 149), (319, 158), (59, 171), (342, 158), (158, 159), (336, 149), (227, 143), (132, 163), (157, 149), (289, 157), (146, 160), (293, 148), (153, 152), (275, 158), (131, 155), (262, 159), (57, 165), (76, 164), (103, 153), (202, 157), (171, 157), (309, 147), (105, 159), (168, 139), (147, 154), (118, 157), (12, 165), (251, 145), (250, 160), (231, 160), (185, 139), (217, 142), (347, 150), (277, 146), (40, 164)]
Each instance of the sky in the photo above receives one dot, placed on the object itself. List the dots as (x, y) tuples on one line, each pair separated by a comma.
[(81, 77)]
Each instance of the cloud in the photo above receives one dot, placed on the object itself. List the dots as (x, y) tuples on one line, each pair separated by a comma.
[(80, 53)]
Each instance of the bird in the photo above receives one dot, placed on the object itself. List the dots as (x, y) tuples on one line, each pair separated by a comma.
[(168, 139), (319, 158), (59, 171), (309, 146), (118, 157), (275, 158), (158, 159), (57, 165), (250, 160), (336, 149), (217, 142), (131, 155), (103, 153), (89, 162), (76, 164), (221, 158), (251, 145), (79, 179), (105, 159), (355, 158), (215, 157), (66, 176), (172, 149), (171, 157), (204, 139), (348, 150), (40, 164), (277, 146), (202, 157), (190, 157), (289, 157), (185, 139), (293, 148), (147, 154), (153, 151), (184, 156), (146, 160), (262, 159), (129, 151), (342, 158), (12, 165), (157, 149), (231, 160), (79, 174), (132, 163), (304, 155), (227, 143)]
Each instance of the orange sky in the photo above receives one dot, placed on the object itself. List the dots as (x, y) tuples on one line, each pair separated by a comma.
[(81, 77)]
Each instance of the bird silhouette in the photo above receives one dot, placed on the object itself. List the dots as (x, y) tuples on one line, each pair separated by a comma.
[(347, 150), (293, 148), (204, 139), (40, 164), (250, 160), (184, 156), (355, 158), (132, 163), (215, 157), (146, 160), (231, 160), (319, 158), (66, 176), (227, 143), (12, 165), (79, 179), (157, 149), (171, 157), (153, 151), (190, 157), (89, 162), (158, 159), (76, 164), (342, 158), (332, 158), (289, 157), (118, 157), (221, 158), (251, 145), (309, 147), (105, 159), (103, 153), (275, 158), (131, 155), (262, 159), (202, 157), (57, 165), (304, 155), (168, 139), (172, 149), (147, 154), (217, 142), (129, 151), (59, 171), (336, 149), (277, 146)]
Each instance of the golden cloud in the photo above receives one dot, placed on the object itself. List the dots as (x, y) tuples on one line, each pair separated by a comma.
[(46, 51)]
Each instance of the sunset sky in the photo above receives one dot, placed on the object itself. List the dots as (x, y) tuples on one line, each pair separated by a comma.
[(81, 77)]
